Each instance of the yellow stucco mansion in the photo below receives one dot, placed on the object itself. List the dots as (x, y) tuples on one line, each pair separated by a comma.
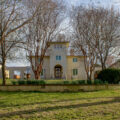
[(61, 63)]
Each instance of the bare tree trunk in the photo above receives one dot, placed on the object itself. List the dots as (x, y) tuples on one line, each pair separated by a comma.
[(37, 72), (89, 77), (103, 66), (86, 70), (3, 73), (3, 61), (37, 75), (11, 20)]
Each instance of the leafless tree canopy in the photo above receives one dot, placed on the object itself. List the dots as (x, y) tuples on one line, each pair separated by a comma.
[(12, 19), (95, 31), (108, 34), (42, 30)]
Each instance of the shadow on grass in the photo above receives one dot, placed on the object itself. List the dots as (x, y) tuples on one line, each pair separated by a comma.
[(42, 109), (2, 104)]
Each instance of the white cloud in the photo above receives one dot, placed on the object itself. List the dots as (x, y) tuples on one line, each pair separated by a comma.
[(105, 3)]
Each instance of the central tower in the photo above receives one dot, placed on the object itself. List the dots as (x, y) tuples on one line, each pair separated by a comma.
[(58, 59)]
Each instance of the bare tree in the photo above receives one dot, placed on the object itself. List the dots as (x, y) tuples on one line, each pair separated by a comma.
[(108, 34), (12, 20), (96, 32), (42, 30), (84, 24)]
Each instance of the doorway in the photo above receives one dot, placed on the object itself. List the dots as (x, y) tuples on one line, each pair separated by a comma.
[(58, 71)]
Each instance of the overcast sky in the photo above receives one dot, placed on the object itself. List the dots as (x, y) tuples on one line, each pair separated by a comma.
[(94, 2), (69, 3)]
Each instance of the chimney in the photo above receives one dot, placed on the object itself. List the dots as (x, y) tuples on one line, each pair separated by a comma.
[(71, 52)]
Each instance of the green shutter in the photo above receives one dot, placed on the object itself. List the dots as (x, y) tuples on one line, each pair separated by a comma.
[(75, 71)]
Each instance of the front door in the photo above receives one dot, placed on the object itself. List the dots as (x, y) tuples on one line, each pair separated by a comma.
[(58, 72)]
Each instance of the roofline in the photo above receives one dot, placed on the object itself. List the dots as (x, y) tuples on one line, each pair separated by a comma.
[(114, 63), (54, 42), (97, 65), (67, 56), (39, 56), (74, 56)]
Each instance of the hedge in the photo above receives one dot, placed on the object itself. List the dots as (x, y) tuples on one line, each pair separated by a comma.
[(110, 75), (64, 82)]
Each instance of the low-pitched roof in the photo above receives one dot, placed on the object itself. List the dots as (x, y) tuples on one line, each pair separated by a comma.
[(115, 63), (62, 42)]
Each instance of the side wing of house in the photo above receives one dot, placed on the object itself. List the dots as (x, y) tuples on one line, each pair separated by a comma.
[(75, 68)]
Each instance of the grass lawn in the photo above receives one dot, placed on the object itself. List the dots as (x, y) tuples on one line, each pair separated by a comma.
[(100, 105), (8, 81)]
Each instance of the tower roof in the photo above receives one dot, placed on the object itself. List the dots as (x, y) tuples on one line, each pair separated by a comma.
[(59, 42)]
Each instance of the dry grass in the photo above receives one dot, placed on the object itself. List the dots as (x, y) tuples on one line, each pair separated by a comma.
[(101, 105)]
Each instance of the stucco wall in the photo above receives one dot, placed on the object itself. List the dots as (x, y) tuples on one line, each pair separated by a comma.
[(53, 62), (76, 65), (50, 62), (46, 66), (59, 88), (12, 69)]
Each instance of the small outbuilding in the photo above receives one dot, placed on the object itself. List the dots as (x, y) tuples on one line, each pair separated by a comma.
[(116, 65)]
